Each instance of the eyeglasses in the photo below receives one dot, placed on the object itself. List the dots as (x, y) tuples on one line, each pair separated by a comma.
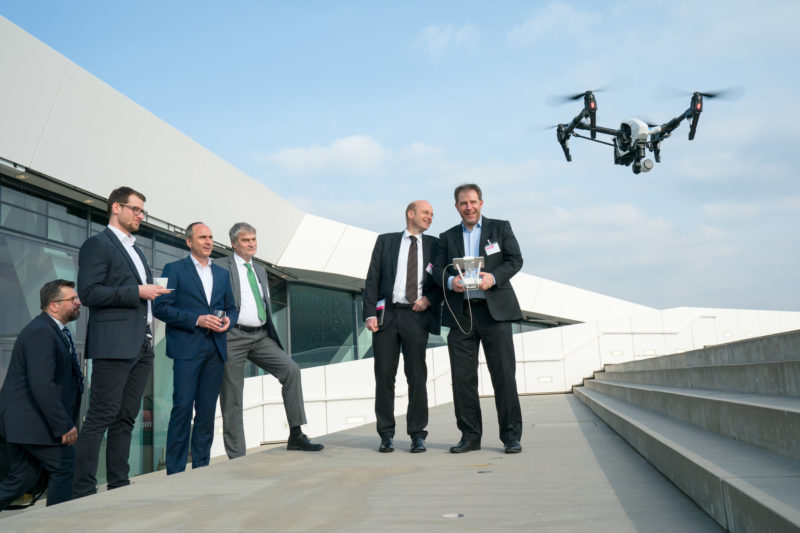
[(136, 209), (72, 300)]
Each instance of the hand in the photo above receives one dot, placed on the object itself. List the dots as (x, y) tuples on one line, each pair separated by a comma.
[(487, 281), (70, 437), (226, 323), (211, 323), (457, 285), (372, 324), (421, 304), (151, 292)]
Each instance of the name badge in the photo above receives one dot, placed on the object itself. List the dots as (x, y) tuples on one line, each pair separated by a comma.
[(492, 248), (429, 268)]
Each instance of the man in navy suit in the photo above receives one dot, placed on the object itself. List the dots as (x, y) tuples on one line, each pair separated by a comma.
[(196, 344), (481, 316), (401, 307), (41, 398), (115, 283)]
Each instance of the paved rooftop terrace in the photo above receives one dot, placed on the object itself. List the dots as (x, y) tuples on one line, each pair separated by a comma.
[(574, 474)]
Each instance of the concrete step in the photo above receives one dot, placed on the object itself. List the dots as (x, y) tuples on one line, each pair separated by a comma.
[(772, 378), (743, 487), (769, 422), (770, 348)]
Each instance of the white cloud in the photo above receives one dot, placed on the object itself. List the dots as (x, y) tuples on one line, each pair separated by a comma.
[(439, 40), (357, 154), (557, 19)]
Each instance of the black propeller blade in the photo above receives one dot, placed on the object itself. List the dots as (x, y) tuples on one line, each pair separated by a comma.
[(731, 93)]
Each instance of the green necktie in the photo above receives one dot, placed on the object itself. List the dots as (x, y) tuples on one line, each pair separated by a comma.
[(251, 277)]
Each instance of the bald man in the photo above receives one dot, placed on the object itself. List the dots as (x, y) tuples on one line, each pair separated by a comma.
[(401, 307)]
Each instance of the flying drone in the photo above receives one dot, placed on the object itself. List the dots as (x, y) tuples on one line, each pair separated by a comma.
[(634, 135)]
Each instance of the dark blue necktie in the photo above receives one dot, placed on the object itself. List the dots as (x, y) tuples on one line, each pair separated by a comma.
[(76, 366)]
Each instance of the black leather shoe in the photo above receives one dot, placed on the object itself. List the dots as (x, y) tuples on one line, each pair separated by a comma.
[(464, 446), (418, 445), (513, 446), (302, 443), (386, 445)]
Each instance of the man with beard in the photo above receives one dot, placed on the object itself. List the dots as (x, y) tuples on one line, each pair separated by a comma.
[(41, 397), (115, 283)]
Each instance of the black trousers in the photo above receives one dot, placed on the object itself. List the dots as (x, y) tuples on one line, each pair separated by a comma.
[(117, 387), (498, 347), (25, 464), (408, 331)]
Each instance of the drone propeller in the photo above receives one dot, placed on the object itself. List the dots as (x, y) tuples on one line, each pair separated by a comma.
[(731, 93), (558, 99)]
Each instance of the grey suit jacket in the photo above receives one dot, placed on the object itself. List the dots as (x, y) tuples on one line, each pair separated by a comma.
[(229, 263)]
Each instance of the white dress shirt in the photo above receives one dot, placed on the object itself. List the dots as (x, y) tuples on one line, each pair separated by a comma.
[(399, 291), (127, 242), (248, 310), (206, 277)]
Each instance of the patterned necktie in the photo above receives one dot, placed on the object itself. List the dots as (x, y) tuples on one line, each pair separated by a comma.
[(251, 277), (76, 366), (411, 275)]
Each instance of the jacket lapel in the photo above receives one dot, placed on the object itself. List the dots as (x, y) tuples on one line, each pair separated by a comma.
[(236, 284), (189, 264), (394, 251), (121, 249)]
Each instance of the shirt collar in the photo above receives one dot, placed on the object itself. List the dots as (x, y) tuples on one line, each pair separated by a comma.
[(123, 237), (58, 322), (240, 261), (197, 263), (406, 234), (479, 225)]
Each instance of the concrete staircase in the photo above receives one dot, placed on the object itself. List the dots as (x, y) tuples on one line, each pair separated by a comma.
[(722, 423)]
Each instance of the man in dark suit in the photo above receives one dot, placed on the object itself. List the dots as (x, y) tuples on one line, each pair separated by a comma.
[(401, 307), (255, 338), (115, 283), (199, 292), (41, 397), (481, 316)]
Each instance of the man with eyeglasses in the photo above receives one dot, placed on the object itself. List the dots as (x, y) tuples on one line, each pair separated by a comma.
[(115, 283), (41, 398)]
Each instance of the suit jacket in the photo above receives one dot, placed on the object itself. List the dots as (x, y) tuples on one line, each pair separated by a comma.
[(383, 271), (229, 264), (41, 397), (501, 299), (180, 309), (108, 284)]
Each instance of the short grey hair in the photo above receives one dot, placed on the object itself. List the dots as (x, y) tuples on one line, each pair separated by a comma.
[(190, 229), (240, 227)]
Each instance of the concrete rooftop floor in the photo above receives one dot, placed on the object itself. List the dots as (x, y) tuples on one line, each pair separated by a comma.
[(574, 474)]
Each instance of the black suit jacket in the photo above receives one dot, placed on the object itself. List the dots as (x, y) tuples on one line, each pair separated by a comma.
[(41, 395), (108, 285), (383, 271), (501, 299), (229, 264)]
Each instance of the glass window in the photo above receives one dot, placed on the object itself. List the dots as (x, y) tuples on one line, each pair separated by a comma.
[(322, 325)]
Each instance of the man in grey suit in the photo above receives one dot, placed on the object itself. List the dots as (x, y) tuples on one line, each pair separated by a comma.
[(255, 338)]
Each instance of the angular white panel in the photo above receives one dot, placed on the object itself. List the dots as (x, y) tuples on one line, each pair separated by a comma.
[(313, 383), (544, 376), (352, 379), (92, 134), (312, 244), (542, 345), (352, 253), (574, 304), (549, 298), (32, 74), (526, 287), (345, 414)]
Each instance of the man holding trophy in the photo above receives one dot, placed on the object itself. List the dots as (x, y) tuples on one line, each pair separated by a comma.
[(474, 263)]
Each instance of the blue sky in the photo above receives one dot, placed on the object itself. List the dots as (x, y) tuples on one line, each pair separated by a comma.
[(352, 109)]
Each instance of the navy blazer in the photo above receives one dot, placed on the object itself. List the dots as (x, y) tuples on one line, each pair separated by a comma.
[(41, 397), (383, 271), (180, 309), (108, 284), (501, 299)]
